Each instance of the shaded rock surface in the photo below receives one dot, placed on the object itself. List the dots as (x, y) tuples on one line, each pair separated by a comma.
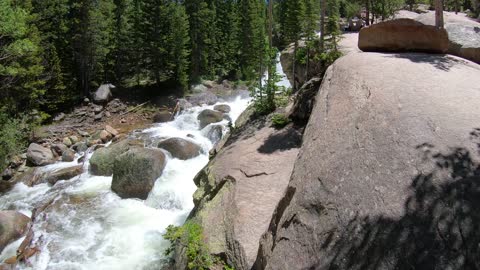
[(222, 108), (103, 94), (101, 162), (38, 155), (12, 226), (162, 117), (180, 148), (208, 116), (303, 101), (239, 189), (388, 175), (403, 35), (136, 171)]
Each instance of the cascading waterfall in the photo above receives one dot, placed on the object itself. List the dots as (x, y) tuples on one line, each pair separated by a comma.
[(87, 226)]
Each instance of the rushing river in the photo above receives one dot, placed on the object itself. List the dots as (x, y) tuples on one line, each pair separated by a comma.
[(90, 227)]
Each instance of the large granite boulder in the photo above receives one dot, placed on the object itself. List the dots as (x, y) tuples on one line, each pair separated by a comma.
[(103, 94), (38, 155), (208, 116), (162, 117), (180, 148), (66, 173), (101, 162), (13, 225), (388, 176), (136, 171), (403, 35), (225, 108)]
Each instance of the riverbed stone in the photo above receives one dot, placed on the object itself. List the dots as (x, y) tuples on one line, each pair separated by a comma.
[(180, 148), (13, 225), (67, 173), (135, 172), (208, 116), (68, 155), (102, 159), (38, 155), (222, 108)]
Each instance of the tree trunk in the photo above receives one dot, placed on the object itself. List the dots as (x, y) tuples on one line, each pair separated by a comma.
[(323, 7), (367, 7), (439, 13)]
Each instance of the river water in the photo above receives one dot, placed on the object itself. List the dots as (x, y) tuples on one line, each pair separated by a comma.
[(90, 227)]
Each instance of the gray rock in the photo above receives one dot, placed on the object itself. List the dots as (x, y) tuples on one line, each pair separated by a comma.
[(184, 104), (67, 173), (208, 84), (136, 171), (111, 130), (68, 155), (7, 174), (403, 35), (199, 88), (103, 94), (66, 141), (13, 225), (38, 155), (97, 109), (162, 117), (203, 98), (59, 117), (98, 117), (222, 108), (74, 139), (180, 148), (83, 133), (208, 116), (215, 133), (59, 148), (303, 101), (101, 162), (80, 147), (387, 170)]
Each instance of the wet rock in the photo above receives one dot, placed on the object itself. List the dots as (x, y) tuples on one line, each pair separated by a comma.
[(162, 117), (7, 174), (68, 155), (6, 186), (102, 159), (111, 130), (183, 104), (103, 94), (215, 133), (38, 155), (53, 177), (180, 148), (13, 225), (80, 147), (135, 172), (208, 116), (30, 176), (403, 35), (222, 108), (203, 98)]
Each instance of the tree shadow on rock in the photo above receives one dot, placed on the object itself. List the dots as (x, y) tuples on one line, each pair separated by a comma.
[(440, 61), (440, 228), (281, 140)]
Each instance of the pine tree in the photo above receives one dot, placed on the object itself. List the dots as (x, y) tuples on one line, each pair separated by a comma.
[(293, 29), (21, 68), (227, 38)]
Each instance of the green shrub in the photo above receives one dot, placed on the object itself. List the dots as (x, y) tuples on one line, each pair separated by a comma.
[(190, 236), (13, 137), (279, 120)]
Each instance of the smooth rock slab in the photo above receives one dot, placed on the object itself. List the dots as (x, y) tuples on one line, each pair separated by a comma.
[(12, 226), (39, 155), (180, 148)]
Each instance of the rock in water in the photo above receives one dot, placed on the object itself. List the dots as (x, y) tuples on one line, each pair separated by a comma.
[(180, 148), (387, 176), (403, 35), (207, 97), (162, 117), (208, 116), (215, 133), (136, 171), (103, 94), (68, 155), (53, 177), (39, 155), (102, 159), (222, 108), (12, 226)]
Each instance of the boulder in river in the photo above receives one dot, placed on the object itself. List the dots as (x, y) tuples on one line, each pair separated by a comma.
[(222, 108), (68, 155), (102, 159), (403, 35), (162, 117), (136, 171), (13, 225), (180, 148), (215, 133), (67, 173), (208, 116), (103, 94), (59, 148), (38, 155), (206, 97)]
